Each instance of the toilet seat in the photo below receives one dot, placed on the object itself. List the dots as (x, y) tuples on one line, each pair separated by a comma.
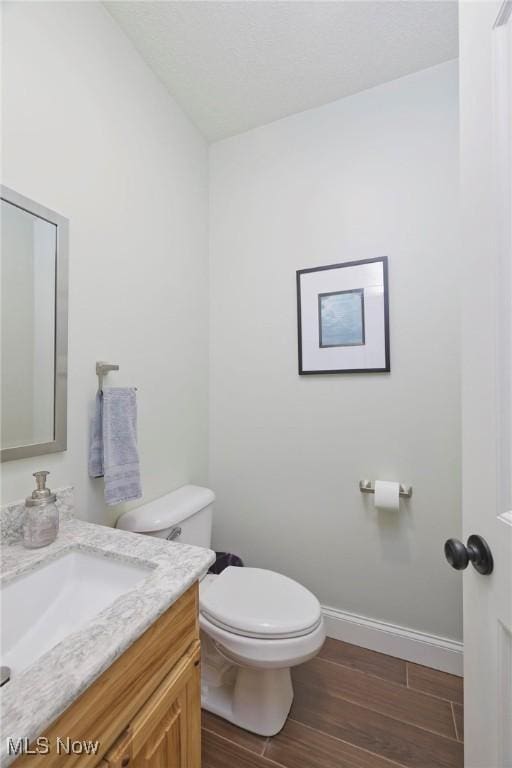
[(261, 604)]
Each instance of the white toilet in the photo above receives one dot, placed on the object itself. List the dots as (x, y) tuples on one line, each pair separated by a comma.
[(255, 624)]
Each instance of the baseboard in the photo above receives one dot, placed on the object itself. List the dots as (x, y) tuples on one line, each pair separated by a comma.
[(418, 647)]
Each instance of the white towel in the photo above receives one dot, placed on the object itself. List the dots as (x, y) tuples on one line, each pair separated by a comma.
[(113, 449)]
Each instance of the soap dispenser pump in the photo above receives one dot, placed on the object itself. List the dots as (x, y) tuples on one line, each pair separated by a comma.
[(41, 524)]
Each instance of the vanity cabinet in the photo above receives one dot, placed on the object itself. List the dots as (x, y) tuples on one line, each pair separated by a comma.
[(144, 710)]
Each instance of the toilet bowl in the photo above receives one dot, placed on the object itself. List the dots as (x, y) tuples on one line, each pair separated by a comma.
[(255, 623)]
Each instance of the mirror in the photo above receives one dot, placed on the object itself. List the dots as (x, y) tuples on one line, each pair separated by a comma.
[(33, 353)]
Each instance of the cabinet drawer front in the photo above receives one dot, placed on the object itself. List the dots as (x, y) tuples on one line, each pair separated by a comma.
[(106, 708)]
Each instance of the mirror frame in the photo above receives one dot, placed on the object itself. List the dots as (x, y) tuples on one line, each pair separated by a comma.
[(60, 379)]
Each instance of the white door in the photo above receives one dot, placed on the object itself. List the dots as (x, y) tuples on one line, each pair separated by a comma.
[(485, 32)]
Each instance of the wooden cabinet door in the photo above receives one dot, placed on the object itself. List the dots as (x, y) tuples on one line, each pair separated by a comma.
[(166, 733)]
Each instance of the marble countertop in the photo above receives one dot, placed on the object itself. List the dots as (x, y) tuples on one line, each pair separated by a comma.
[(37, 696)]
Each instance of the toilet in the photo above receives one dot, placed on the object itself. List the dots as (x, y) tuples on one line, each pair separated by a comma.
[(255, 624)]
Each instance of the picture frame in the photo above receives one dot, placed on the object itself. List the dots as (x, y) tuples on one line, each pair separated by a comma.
[(343, 318)]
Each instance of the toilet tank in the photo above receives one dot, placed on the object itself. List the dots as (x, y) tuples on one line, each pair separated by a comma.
[(184, 515)]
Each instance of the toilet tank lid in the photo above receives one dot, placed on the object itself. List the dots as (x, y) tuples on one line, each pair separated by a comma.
[(168, 510)]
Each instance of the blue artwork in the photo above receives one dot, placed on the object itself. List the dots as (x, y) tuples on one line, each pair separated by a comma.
[(341, 318)]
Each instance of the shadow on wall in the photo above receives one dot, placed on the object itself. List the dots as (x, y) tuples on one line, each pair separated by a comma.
[(395, 528)]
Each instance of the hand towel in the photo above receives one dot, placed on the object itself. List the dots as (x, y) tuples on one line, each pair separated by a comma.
[(120, 455), (113, 444)]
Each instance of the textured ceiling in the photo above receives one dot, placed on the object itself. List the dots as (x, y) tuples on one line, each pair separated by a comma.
[(236, 65)]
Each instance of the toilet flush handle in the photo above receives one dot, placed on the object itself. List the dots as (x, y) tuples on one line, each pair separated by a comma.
[(174, 533)]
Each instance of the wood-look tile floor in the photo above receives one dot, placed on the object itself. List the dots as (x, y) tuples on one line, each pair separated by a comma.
[(353, 708)]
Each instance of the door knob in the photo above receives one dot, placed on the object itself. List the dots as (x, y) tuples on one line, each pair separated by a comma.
[(476, 552)]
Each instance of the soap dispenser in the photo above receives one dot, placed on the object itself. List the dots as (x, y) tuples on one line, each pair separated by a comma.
[(41, 524)]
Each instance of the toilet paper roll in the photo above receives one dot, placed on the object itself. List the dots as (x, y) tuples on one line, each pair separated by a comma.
[(387, 495)]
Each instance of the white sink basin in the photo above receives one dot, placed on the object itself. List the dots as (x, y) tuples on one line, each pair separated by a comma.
[(41, 608)]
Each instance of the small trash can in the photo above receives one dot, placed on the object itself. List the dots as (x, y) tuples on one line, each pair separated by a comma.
[(223, 559)]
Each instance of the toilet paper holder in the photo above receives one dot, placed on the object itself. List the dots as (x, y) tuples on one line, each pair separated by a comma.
[(367, 486)]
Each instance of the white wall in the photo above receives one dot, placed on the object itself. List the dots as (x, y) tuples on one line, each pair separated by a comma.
[(370, 175), (90, 132)]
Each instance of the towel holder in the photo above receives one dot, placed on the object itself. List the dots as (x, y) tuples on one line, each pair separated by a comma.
[(101, 369)]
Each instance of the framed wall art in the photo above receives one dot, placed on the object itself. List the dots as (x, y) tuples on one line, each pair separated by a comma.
[(343, 317)]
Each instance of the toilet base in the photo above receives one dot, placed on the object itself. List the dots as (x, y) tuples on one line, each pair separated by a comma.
[(258, 700)]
